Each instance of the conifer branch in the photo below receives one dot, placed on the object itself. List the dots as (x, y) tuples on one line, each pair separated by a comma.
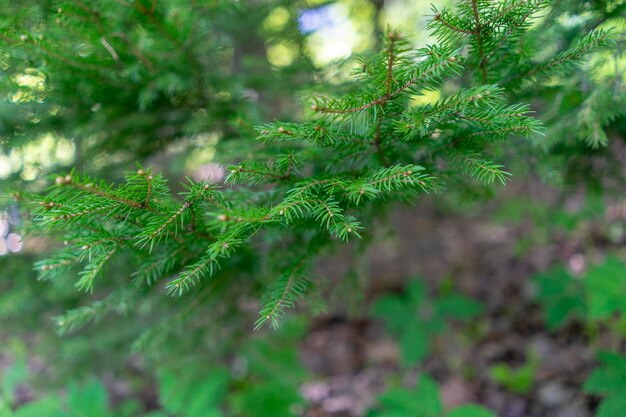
[(377, 143), (585, 45), (208, 263), (90, 188), (506, 37), (567, 59), (69, 216), (500, 131), (283, 295), (320, 180), (439, 18), (484, 171), (533, 6), (49, 269), (120, 301), (149, 190), (93, 269), (392, 37), (448, 63), (156, 268), (157, 225), (479, 40)]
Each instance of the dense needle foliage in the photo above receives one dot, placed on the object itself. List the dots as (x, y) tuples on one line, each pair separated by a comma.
[(323, 179)]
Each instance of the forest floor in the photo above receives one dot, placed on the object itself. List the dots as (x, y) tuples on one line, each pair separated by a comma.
[(353, 359)]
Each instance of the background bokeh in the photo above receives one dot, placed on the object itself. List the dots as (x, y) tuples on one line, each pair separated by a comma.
[(181, 92)]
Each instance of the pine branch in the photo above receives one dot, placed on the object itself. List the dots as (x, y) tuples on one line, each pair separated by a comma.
[(324, 179), (284, 294), (478, 28), (92, 189), (437, 64), (208, 263), (158, 265), (487, 172), (120, 301), (566, 60), (157, 226), (94, 268), (439, 18)]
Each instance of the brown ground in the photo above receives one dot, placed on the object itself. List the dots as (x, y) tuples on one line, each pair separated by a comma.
[(353, 358)]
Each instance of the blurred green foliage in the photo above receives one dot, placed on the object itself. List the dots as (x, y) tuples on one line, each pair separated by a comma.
[(609, 381), (599, 295), (519, 379), (179, 85), (422, 401), (416, 318), (265, 384)]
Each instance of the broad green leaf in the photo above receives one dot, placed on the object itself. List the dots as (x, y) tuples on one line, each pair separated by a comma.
[(562, 309), (562, 296), (614, 361), (459, 307), (471, 410), (267, 400), (280, 364), (193, 395), (45, 407), (553, 283), (518, 380), (10, 378), (605, 381), (415, 319), (416, 292), (88, 400), (422, 401), (606, 288), (401, 402), (5, 412), (610, 377), (415, 343), (393, 310), (392, 413), (427, 393), (613, 406)]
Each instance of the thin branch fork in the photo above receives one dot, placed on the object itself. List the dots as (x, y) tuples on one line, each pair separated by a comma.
[(296, 269), (506, 35), (404, 174), (390, 57), (96, 191), (378, 141), (450, 26), (264, 174), (174, 216), (382, 100), (477, 31)]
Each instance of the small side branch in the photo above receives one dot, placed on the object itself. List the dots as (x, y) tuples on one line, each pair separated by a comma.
[(377, 143), (382, 100), (390, 58), (146, 203), (479, 40), (450, 26)]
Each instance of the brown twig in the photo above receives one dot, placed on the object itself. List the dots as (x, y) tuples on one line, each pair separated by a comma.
[(382, 100)]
